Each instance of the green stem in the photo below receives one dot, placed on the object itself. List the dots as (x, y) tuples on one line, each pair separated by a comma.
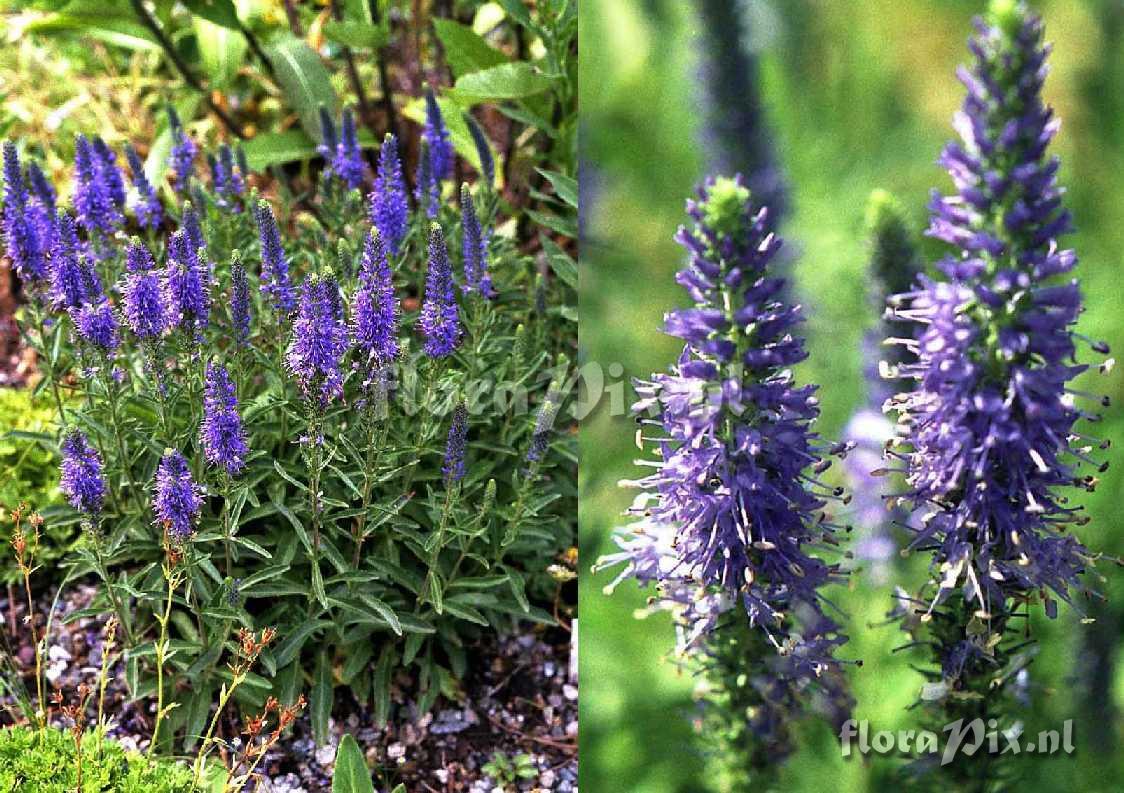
[(161, 647), (227, 529), (118, 607), (111, 393), (51, 376)]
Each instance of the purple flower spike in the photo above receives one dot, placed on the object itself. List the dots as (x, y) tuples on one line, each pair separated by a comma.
[(728, 521), (274, 266), (227, 180), (453, 467), (374, 309), (474, 248), (97, 326), (110, 173), (222, 435), (41, 187), (23, 225), (319, 341), (239, 300), (74, 280), (95, 198), (390, 212), (427, 187), (148, 209), (992, 445), (184, 151), (178, 500), (348, 160), (148, 311), (436, 136), (81, 479), (439, 321), (189, 283), (329, 139)]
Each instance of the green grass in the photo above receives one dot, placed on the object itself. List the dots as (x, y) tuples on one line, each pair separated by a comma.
[(860, 95)]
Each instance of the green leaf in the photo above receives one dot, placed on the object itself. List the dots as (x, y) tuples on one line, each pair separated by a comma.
[(465, 612), (519, 589), (221, 51), (466, 51), (519, 12), (567, 227), (565, 187), (278, 148), (506, 81), (351, 774), (380, 679), (290, 648), (564, 267), (217, 12), (357, 35), (130, 35), (305, 81), (320, 699), (433, 591)]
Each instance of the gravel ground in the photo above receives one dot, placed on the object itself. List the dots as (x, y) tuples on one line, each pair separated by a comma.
[(520, 698)]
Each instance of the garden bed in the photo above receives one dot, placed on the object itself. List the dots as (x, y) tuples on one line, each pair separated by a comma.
[(519, 698)]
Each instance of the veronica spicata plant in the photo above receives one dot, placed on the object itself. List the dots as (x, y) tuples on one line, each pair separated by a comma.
[(300, 418), (730, 525), (991, 448)]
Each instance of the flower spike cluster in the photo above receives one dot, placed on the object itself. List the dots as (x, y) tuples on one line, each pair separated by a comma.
[(184, 151), (74, 280), (228, 181), (390, 213), (239, 299), (147, 306), (149, 210), (347, 160), (728, 522), (319, 342), (222, 435), (188, 277), (453, 466), (374, 308), (81, 479), (991, 416), (178, 499), (436, 136), (474, 248), (440, 320), (275, 283), (25, 243), (98, 192)]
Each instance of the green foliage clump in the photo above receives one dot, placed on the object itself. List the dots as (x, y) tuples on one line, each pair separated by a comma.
[(507, 771), (28, 470), (48, 762)]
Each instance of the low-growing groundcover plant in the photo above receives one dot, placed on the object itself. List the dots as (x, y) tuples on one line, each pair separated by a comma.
[(47, 762), (986, 452), (328, 431)]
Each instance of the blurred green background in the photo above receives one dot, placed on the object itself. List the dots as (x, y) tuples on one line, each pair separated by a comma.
[(859, 95)]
